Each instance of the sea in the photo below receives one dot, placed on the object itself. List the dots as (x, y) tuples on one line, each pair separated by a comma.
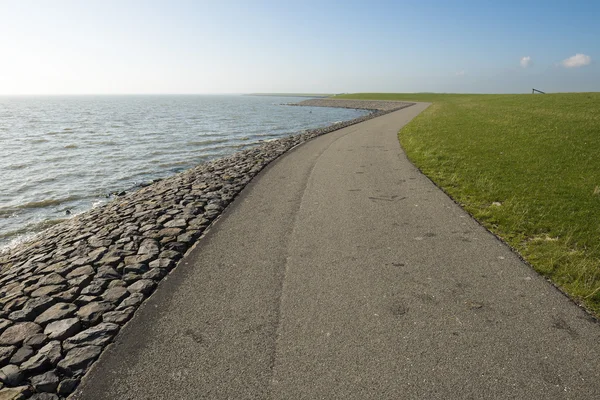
[(62, 155)]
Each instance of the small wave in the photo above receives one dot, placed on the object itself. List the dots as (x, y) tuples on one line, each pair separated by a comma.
[(57, 159), (26, 233), (71, 146), (207, 142), (66, 131), (13, 167), (107, 143), (176, 164), (8, 213), (265, 136), (32, 228), (46, 203), (98, 203), (41, 140), (17, 241)]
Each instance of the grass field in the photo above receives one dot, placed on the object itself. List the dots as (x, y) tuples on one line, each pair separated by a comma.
[(527, 167)]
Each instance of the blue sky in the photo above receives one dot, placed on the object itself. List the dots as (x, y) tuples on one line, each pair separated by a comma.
[(87, 47)]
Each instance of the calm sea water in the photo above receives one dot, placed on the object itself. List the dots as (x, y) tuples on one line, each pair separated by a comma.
[(64, 153)]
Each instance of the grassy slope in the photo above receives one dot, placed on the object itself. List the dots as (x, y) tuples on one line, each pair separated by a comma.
[(536, 155)]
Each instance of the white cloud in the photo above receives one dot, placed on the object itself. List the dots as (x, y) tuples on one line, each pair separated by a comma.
[(578, 60), (525, 61), (460, 73)]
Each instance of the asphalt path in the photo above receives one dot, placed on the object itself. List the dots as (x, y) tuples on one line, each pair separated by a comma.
[(341, 272)]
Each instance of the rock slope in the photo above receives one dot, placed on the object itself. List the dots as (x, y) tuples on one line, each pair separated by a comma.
[(66, 294)]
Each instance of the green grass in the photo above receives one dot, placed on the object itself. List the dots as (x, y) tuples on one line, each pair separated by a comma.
[(527, 167)]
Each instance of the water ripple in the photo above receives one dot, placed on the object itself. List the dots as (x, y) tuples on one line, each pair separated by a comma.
[(69, 152)]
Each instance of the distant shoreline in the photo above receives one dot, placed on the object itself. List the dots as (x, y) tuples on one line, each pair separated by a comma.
[(312, 95)]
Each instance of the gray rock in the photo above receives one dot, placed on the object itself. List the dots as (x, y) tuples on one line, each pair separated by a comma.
[(132, 301), (68, 295), (131, 246), (60, 267), (170, 254), (80, 281), (107, 272), (63, 328), (95, 287), (25, 314), (44, 396), (18, 333), (21, 355), (173, 232), (56, 312), (118, 316), (14, 303), (83, 300), (14, 291), (36, 341), (15, 393), (52, 279), (63, 267), (115, 294), (135, 268), (211, 214), (39, 304), (36, 363), (167, 239), (139, 259), (52, 351), (46, 382), (77, 360), (6, 353), (155, 274), (177, 246), (149, 246), (99, 242), (163, 219), (187, 237), (48, 290), (213, 207), (4, 323), (81, 271), (144, 286), (162, 263), (176, 223), (95, 255), (110, 259), (131, 277), (11, 375), (116, 283), (67, 386), (92, 312), (80, 261), (98, 335)]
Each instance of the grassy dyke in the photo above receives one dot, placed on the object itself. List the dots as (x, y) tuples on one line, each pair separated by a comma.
[(527, 167)]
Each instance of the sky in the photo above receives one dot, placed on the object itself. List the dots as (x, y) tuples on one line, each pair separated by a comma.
[(220, 46)]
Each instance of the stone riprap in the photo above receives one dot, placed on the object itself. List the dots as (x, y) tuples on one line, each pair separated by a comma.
[(375, 105), (65, 294)]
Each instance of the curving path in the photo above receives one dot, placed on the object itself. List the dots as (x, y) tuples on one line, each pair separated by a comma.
[(341, 272)]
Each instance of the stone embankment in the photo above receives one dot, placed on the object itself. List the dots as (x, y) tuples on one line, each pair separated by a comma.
[(66, 294), (376, 105)]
